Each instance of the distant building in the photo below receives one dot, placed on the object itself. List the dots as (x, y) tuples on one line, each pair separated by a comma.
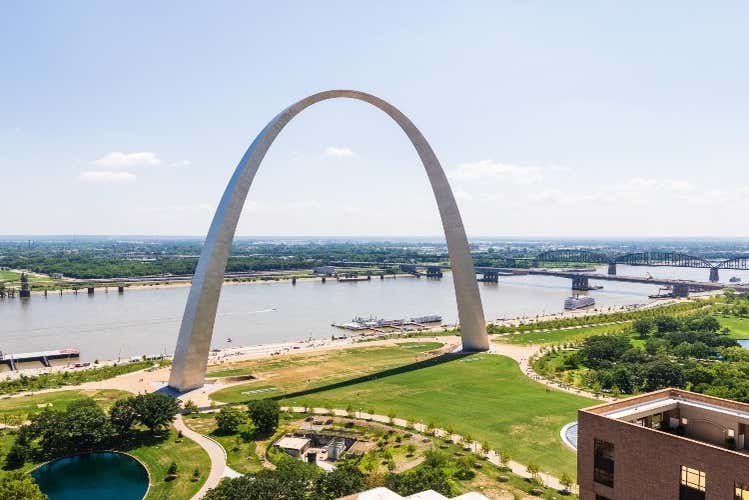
[(325, 270), (669, 444)]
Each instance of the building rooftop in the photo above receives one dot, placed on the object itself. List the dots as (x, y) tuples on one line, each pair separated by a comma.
[(382, 493), (292, 443), (707, 419)]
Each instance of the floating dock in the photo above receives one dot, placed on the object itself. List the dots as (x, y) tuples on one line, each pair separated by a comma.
[(43, 357)]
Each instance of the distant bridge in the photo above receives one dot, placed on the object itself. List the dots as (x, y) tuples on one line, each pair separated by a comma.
[(651, 258)]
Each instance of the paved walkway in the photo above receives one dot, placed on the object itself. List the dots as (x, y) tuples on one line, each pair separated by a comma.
[(216, 453), (522, 354)]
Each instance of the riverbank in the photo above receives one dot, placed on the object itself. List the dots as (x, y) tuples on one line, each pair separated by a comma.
[(254, 351), (68, 285)]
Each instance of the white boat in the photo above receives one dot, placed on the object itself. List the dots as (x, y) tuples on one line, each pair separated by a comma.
[(578, 302)]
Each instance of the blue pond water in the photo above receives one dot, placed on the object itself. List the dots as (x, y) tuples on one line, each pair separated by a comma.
[(93, 476), (744, 343)]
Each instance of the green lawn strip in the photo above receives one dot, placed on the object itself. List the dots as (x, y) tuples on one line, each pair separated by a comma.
[(240, 454), (188, 456), (560, 336), (739, 326), (484, 396), (65, 378), (304, 372), (14, 410)]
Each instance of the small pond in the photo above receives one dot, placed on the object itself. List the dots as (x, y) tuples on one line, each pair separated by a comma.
[(744, 343), (93, 476)]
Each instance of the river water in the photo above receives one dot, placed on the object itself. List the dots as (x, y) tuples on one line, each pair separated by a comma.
[(146, 320)]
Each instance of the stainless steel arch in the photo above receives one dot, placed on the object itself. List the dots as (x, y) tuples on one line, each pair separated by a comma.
[(193, 344)]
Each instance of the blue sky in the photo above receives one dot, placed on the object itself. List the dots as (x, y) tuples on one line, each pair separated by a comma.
[(551, 118)]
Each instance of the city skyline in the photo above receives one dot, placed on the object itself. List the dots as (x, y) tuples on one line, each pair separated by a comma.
[(549, 121)]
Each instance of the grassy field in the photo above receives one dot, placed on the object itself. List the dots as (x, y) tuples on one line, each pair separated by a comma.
[(739, 326), (560, 336), (18, 408), (188, 456), (283, 374), (484, 396)]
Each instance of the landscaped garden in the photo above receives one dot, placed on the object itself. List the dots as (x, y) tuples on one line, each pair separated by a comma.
[(69, 422), (697, 352), (379, 455)]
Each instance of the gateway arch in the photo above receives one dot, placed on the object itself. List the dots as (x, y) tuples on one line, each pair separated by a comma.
[(193, 344)]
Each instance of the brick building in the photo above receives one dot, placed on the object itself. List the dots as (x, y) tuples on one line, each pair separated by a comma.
[(669, 444)]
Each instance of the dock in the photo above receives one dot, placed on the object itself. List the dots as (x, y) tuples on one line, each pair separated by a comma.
[(11, 360)]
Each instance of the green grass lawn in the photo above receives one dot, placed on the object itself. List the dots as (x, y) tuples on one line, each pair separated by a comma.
[(188, 456), (282, 374), (559, 336), (484, 396), (16, 409), (739, 326), (156, 453)]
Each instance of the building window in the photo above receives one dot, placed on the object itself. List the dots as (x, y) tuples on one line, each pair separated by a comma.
[(603, 462), (741, 491), (692, 484)]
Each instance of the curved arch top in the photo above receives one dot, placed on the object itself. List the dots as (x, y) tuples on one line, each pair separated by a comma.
[(196, 330)]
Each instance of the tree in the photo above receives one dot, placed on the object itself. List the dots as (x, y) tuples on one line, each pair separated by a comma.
[(418, 480), (21, 486), (171, 472), (600, 350), (123, 415), (190, 407), (345, 479), (566, 481), (643, 327), (504, 458), (533, 470), (663, 373), (155, 411), (264, 414), (228, 420), (665, 324)]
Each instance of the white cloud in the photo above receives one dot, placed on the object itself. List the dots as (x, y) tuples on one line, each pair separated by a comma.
[(120, 160), (105, 177), (490, 170), (181, 163), (341, 152)]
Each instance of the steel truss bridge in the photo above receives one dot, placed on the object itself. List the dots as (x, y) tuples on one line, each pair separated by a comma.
[(654, 258)]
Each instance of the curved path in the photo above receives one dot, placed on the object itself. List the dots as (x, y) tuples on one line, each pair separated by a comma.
[(215, 451), (522, 354)]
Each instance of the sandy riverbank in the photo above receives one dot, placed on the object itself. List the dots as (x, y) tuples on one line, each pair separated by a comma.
[(158, 285)]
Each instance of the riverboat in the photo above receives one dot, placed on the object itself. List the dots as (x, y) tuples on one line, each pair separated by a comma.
[(578, 302)]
